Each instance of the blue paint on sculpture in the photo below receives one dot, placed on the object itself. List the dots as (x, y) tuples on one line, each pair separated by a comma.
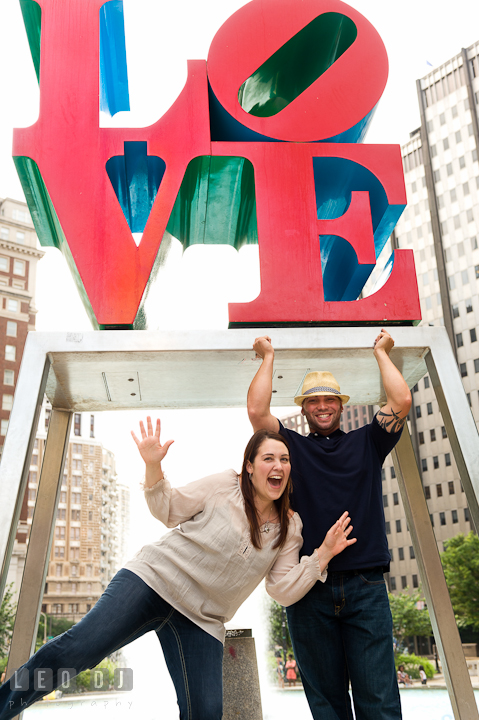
[(136, 177), (335, 179), (114, 95), (355, 134), (343, 276)]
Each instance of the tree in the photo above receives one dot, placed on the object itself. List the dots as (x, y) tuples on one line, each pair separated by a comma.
[(7, 618), (275, 623), (55, 626), (460, 561), (408, 619)]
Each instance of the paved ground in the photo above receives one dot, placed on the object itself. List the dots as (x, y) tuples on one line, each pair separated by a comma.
[(437, 682)]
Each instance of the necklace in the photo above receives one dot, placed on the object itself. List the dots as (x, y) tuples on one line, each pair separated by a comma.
[(266, 524)]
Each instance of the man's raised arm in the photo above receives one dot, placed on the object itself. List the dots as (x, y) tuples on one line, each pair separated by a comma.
[(259, 393), (398, 396)]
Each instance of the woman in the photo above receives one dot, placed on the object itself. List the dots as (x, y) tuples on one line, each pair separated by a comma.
[(230, 532), (403, 677), (291, 670)]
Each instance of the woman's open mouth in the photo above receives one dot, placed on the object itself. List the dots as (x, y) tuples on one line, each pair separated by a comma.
[(275, 481)]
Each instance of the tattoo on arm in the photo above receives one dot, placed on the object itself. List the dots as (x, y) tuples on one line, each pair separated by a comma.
[(390, 421)]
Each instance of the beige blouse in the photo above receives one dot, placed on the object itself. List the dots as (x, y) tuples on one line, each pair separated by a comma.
[(206, 567)]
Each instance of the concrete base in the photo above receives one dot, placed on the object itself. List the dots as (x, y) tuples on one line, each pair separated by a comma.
[(241, 693)]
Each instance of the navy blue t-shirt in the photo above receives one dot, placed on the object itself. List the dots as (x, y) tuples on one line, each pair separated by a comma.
[(337, 473)]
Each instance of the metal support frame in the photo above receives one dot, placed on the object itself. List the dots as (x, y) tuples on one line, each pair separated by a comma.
[(459, 423), (434, 585), (113, 370), (40, 542), (17, 451), (435, 222)]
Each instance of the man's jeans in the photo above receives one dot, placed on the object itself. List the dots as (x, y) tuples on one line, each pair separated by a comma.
[(341, 631), (127, 610)]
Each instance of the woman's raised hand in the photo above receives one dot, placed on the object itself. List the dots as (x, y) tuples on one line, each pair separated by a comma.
[(151, 450)]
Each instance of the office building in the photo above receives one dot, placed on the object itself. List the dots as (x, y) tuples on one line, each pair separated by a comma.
[(92, 523), (441, 225), (92, 520), (19, 254)]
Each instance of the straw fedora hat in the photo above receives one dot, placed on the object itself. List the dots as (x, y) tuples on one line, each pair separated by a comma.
[(320, 383)]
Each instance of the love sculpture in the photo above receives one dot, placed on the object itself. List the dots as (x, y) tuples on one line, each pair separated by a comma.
[(263, 145)]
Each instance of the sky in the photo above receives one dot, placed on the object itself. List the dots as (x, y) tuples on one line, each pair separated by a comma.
[(160, 37)]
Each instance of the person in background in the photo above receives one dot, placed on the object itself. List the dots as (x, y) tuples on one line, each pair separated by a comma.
[(280, 671), (290, 666), (422, 675), (403, 677)]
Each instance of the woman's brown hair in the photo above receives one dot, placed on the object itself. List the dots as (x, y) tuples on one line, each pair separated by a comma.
[(282, 504)]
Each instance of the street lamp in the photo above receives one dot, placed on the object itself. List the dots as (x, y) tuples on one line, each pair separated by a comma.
[(44, 627), (283, 626)]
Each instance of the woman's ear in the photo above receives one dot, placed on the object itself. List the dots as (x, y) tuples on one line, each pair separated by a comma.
[(249, 467)]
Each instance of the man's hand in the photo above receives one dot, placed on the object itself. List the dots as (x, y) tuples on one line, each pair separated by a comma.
[(259, 393), (262, 347), (384, 342), (393, 414)]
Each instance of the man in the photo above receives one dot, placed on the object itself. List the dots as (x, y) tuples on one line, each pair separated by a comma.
[(342, 629)]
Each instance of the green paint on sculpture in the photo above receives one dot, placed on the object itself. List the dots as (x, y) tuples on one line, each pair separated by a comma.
[(47, 224), (216, 203), (32, 17), (297, 64)]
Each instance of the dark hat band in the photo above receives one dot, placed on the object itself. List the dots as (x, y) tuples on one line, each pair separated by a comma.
[(322, 388)]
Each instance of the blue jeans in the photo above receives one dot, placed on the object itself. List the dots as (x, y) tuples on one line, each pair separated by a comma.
[(342, 631), (127, 610)]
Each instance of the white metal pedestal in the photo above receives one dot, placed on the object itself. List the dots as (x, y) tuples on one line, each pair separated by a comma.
[(134, 369)]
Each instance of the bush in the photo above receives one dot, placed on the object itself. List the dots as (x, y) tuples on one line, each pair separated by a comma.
[(411, 665), (271, 666), (8, 608), (276, 614), (56, 625), (83, 680)]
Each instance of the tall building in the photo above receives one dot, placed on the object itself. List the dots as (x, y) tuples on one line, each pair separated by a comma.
[(441, 225), (19, 254), (91, 524), (123, 523)]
